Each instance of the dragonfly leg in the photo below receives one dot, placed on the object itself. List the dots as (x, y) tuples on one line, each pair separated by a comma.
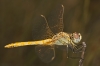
[(67, 52), (73, 50), (79, 50), (82, 50)]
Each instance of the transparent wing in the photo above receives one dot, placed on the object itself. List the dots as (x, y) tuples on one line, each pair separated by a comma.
[(42, 31), (45, 30), (45, 53), (62, 47), (56, 19)]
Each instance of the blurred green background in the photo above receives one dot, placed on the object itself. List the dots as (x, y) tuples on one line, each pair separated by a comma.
[(18, 18)]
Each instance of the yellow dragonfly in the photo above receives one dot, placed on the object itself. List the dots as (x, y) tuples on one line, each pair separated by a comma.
[(45, 48)]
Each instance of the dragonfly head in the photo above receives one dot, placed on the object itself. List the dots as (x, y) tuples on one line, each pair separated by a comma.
[(76, 37)]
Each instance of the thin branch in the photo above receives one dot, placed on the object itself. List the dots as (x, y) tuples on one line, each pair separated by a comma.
[(82, 55)]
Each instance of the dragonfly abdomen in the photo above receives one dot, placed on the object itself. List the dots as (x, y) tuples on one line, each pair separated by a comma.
[(41, 42)]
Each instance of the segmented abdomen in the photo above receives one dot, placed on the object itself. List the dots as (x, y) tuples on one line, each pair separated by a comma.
[(41, 42)]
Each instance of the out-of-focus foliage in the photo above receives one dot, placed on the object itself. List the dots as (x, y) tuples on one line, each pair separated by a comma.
[(19, 17)]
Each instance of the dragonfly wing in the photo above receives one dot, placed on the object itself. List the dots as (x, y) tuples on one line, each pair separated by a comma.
[(56, 19), (42, 31), (62, 47), (46, 53)]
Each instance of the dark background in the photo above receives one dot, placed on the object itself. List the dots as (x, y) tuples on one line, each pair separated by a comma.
[(18, 18)]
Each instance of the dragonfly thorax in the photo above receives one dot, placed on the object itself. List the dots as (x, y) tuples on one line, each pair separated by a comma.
[(61, 38)]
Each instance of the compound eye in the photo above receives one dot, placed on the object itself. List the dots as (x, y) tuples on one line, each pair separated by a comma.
[(76, 35)]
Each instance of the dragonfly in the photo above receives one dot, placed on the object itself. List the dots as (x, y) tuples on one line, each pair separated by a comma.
[(46, 48)]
